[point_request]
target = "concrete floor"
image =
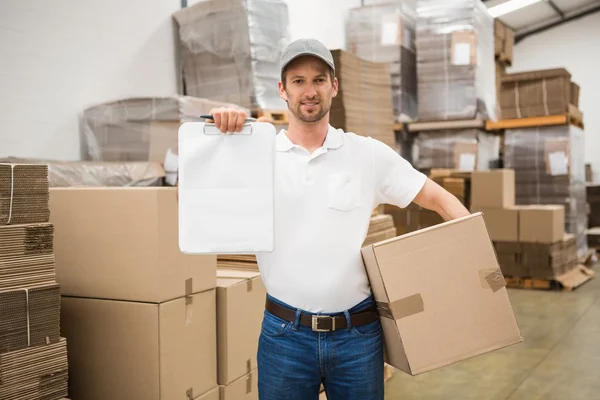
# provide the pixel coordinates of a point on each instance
(558, 360)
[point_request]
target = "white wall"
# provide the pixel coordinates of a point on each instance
(576, 47)
(58, 57)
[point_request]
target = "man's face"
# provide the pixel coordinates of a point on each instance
(308, 89)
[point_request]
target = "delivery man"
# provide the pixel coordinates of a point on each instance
(320, 323)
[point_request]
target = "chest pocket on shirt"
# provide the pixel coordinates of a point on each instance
(344, 191)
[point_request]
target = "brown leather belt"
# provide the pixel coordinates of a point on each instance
(323, 323)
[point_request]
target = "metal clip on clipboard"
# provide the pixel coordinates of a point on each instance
(210, 128)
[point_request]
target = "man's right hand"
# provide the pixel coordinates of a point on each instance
(230, 119)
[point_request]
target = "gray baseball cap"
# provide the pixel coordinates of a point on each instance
(306, 47)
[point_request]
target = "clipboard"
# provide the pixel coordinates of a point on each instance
(226, 189)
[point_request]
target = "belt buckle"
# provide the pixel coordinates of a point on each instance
(315, 323)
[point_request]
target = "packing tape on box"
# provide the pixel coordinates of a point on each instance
(248, 366)
(189, 394)
(249, 285)
(249, 383)
(492, 278)
(401, 308)
(188, 301)
(12, 192)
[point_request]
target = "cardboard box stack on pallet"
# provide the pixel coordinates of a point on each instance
(530, 240)
(364, 102)
(385, 33)
(33, 355)
(455, 60)
(549, 166)
(144, 320)
(456, 86)
(230, 50)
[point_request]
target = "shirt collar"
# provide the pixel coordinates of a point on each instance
(333, 140)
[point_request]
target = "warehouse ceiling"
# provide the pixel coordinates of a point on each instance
(543, 14)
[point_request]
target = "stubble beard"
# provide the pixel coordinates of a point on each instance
(310, 118)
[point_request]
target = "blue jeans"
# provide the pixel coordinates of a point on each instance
(293, 360)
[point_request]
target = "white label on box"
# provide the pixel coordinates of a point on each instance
(462, 54)
(558, 163)
(389, 33)
(466, 162)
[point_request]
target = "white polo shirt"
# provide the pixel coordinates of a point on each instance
(323, 206)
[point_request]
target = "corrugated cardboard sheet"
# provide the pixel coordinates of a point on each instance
(39, 372)
(30, 317)
(26, 255)
(446, 295)
(365, 90)
(23, 194)
(381, 228)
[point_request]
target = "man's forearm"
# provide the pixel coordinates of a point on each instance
(449, 207)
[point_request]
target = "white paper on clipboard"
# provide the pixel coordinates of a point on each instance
(226, 198)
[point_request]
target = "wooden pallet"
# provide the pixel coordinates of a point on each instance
(274, 116)
(573, 117)
(567, 282)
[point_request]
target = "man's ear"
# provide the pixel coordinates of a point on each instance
(335, 87)
(282, 92)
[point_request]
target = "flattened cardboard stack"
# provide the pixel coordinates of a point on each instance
(385, 33)
(230, 50)
(33, 359)
(244, 262)
(140, 316)
(23, 194)
(139, 129)
(550, 169)
(365, 90)
(457, 149)
(98, 173)
(538, 93)
(504, 43)
(455, 60)
(530, 240)
(381, 228)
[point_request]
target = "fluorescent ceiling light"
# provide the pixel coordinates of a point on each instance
(510, 6)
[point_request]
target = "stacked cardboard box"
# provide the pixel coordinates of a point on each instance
(441, 295)
(240, 309)
(593, 237)
(140, 316)
(139, 129)
(365, 89)
(459, 149)
(549, 166)
(243, 262)
(530, 239)
(593, 198)
(455, 60)
(385, 33)
(230, 50)
(538, 93)
(33, 356)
